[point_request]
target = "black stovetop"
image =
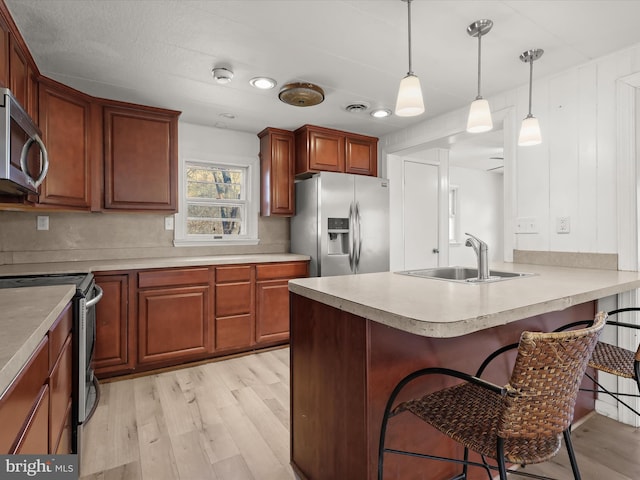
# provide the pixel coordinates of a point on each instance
(82, 281)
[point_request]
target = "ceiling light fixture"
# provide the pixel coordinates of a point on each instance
(530, 130)
(301, 94)
(381, 113)
(263, 83)
(222, 75)
(479, 119)
(409, 102)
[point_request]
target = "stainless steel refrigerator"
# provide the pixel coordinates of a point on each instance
(342, 223)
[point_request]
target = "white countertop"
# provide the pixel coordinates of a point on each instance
(438, 308)
(26, 315)
(144, 263)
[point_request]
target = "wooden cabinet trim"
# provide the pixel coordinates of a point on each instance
(58, 334)
(60, 386)
(34, 438)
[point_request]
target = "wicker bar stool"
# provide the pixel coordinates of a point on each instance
(613, 359)
(522, 422)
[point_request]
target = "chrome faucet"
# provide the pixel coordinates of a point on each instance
(481, 253)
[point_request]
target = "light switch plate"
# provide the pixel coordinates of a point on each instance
(42, 222)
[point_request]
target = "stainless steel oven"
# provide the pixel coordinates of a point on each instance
(88, 294)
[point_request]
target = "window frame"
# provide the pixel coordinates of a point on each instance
(252, 200)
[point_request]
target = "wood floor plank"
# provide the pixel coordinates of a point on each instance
(229, 420)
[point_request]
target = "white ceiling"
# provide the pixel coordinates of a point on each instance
(160, 52)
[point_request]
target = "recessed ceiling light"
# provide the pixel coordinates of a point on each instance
(230, 116)
(380, 112)
(263, 83)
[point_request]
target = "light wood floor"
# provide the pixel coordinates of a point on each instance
(229, 420)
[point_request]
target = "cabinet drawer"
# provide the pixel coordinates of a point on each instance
(233, 299)
(58, 334)
(281, 270)
(233, 332)
(21, 395)
(175, 277)
(233, 274)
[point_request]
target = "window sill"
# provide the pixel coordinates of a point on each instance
(208, 242)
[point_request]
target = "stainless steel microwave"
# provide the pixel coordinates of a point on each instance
(21, 149)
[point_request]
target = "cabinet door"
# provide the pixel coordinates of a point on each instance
(272, 311)
(112, 326)
(361, 155)
(4, 55)
(140, 159)
(319, 149)
(277, 172)
(60, 384)
(19, 73)
(65, 117)
(173, 323)
(18, 400)
(35, 437)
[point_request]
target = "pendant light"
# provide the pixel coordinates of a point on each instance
(479, 119)
(530, 130)
(409, 101)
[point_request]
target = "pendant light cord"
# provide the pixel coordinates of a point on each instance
(479, 97)
(409, 30)
(530, 85)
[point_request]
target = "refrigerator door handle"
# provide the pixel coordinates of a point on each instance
(358, 246)
(352, 260)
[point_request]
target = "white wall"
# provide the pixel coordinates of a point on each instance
(573, 172)
(480, 212)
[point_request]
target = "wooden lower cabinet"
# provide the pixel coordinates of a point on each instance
(157, 318)
(234, 307)
(272, 299)
(115, 334)
(35, 410)
(173, 324)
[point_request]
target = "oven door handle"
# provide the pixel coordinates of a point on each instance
(95, 299)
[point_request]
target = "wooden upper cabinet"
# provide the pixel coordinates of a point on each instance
(320, 149)
(19, 74)
(4, 55)
(140, 158)
(277, 172)
(66, 124)
(361, 155)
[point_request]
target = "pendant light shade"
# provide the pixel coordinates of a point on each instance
(530, 130)
(409, 102)
(479, 119)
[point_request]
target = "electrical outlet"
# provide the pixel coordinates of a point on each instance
(42, 222)
(563, 224)
(168, 222)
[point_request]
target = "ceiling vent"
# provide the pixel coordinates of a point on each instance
(301, 94)
(357, 107)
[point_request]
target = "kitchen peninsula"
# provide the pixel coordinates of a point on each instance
(354, 337)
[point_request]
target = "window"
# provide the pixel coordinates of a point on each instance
(217, 203)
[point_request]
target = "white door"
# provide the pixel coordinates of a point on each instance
(420, 209)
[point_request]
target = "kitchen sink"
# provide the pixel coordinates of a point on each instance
(463, 274)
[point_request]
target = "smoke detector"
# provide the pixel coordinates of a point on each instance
(301, 94)
(357, 107)
(222, 75)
